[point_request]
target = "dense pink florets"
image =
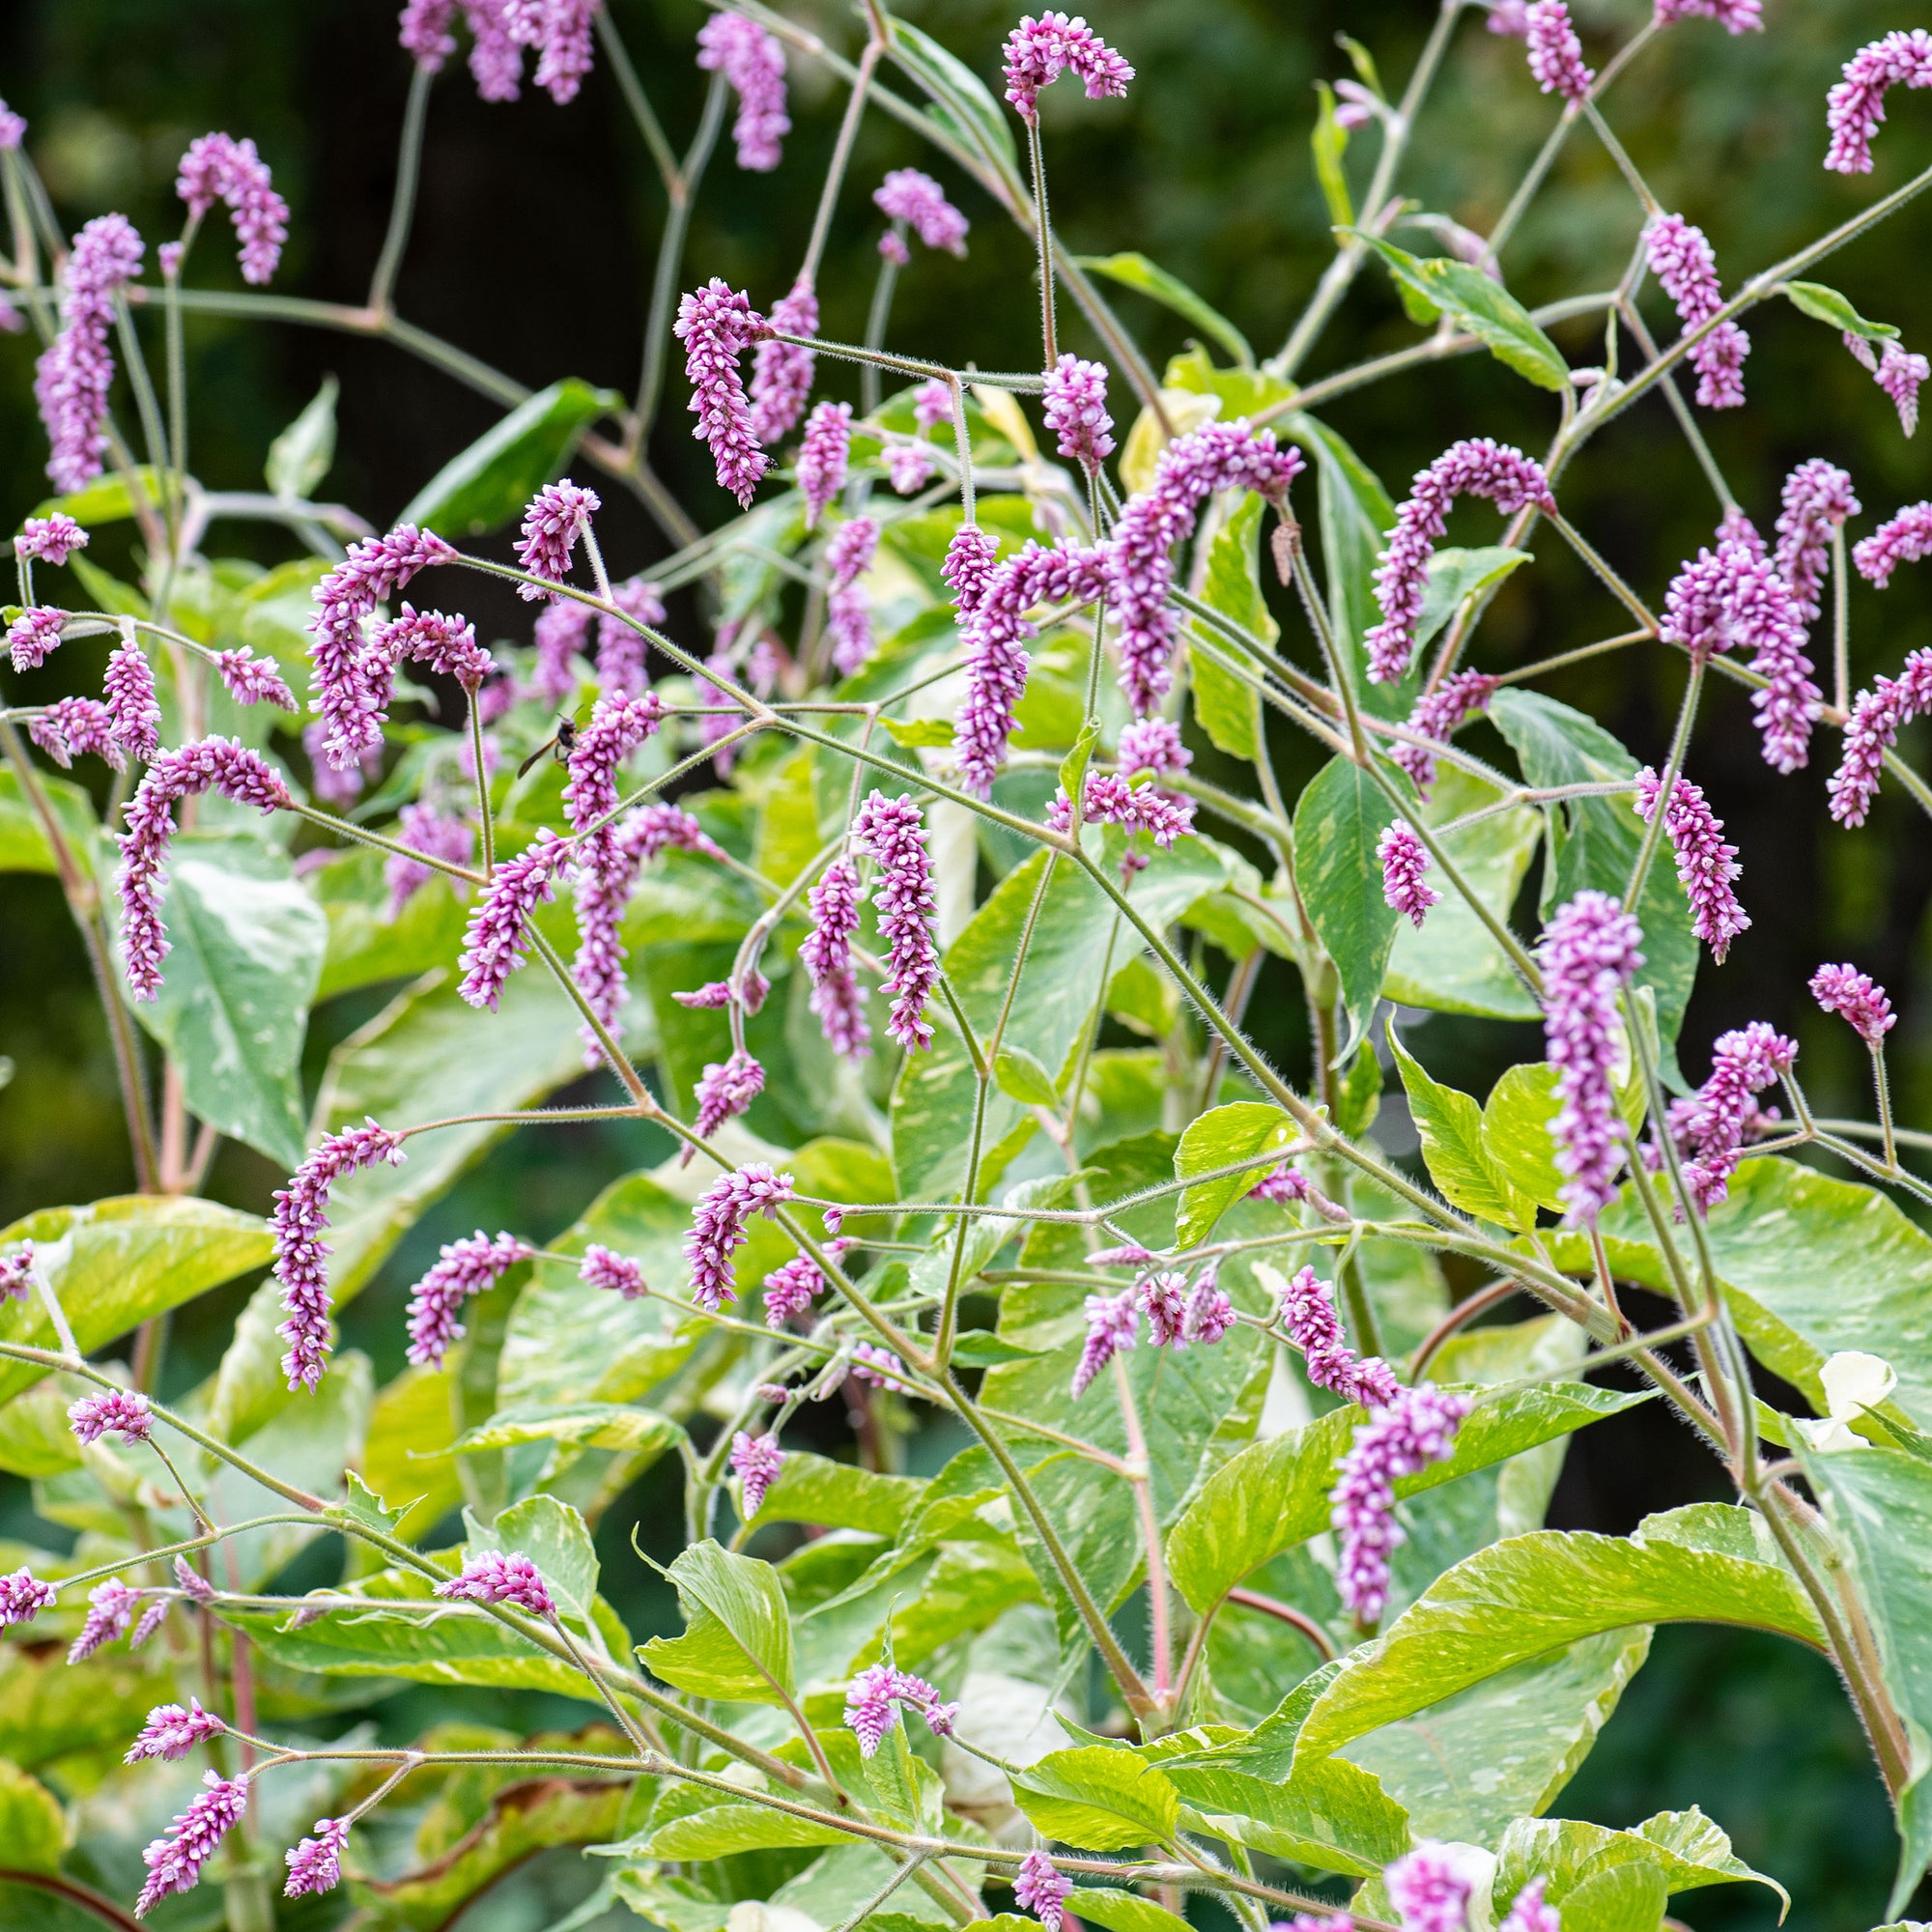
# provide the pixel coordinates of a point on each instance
(718, 1227)
(1309, 1319)
(753, 62)
(1706, 863)
(464, 1268)
(716, 326)
(498, 931)
(1681, 259)
(1076, 408)
(76, 369)
(891, 831)
(558, 515)
(826, 954)
(1555, 53)
(498, 1577)
(1038, 52)
(216, 168)
(1871, 731)
(1414, 1430)
(907, 195)
(1436, 714)
(1857, 998)
(1405, 860)
(174, 1863)
(1855, 107)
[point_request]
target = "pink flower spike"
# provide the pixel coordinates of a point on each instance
(617, 728)
(968, 569)
(1855, 107)
(1430, 1887)
(1405, 859)
(1153, 744)
(465, 1268)
(1211, 1310)
(498, 931)
(1163, 1300)
(76, 371)
(869, 1707)
(1438, 715)
(617, 1274)
(1555, 53)
(1899, 374)
(253, 680)
(23, 1597)
(1284, 1185)
(316, 1863)
(1416, 1428)
(919, 202)
(716, 326)
(718, 1227)
(133, 711)
(1712, 1126)
(1113, 1326)
(49, 539)
(1735, 17)
(125, 1412)
(781, 372)
(1681, 259)
(1042, 1890)
(172, 1730)
(174, 1863)
(558, 514)
(823, 456)
(75, 724)
(1038, 52)
(1705, 864)
(560, 32)
(620, 649)
(1130, 1255)
(1876, 715)
(1076, 408)
(193, 1586)
(725, 1089)
(1817, 499)
(1905, 539)
(826, 954)
(1477, 468)
(754, 64)
(892, 833)
(1529, 1913)
(756, 1461)
(498, 1578)
(1857, 998)
(33, 635)
(433, 834)
(111, 1610)
(216, 168)
(791, 1288)
(1308, 1318)
(848, 604)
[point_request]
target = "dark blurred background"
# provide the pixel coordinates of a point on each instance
(533, 249)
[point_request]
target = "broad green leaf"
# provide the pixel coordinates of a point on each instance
(1625, 1899)
(1529, 1595)
(1504, 1747)
(787, 835)
(1450, 1126)
(1218, 1138)
(33, 1829)
(300, 458)
(1103, 1800)
(725, 1829)
(107, 499)
(24, 840)
(233, 1003)
(1024, 1079)
(1275, 1493)
(962, 105)
(1594, 841)
(1516, 1131)
(1338, 819)
(737, 1640)
(1827, 305)
(1341, 1821)
(118, 1261)
(1329, 141)
(587, 1425)
(1684, 1848)
(51, 1709)
(365, 946)
(481, 488)
(35, 1437)
(1230, 711)
(838, 1495)
(1133, 271)
(917, 734)
(1479, 307)
(407, 1451)
(1457, 574)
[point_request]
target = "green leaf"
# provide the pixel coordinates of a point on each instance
(1338, 819)
(24, 840)
(481, 488)
(1529, 1595)
(838, 1495)
(1133, 271)
(33, 1828)
(1219, 1138)
(365, 946)
(1625, 1899)
(586, 1425)
(50, 1709)
(298, 459)
(1827, 305)
(407, 1450)
(1228, 709)
(1450, 1126)
(935, 733)
(1338, 1819)
(250, 1388)
(1457, 574)
(737, 1639)
(1359, 1096)
(1073, 767)
(1479, 307)
(962, 105)
(232, 1007)
(1684, 1849)
(724, 1829)
(1594, 841)
(1329, 141)
(107, 499)
(1504, 1747)
(119, 1261)
(1103, 1800)
(1275, 1493)
(1021, 1077)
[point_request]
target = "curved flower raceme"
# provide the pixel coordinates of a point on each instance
(1712, 1126)
(1038, 52)
(1706, 863)
(1216, 457)
(791, 1288)
(1475, 468)
(49, 539)
(1309, 1319)
(754, 64)
(76, 369)
(1405, 860)
(716, 326)
(1858, 998)
(172, 1731)
(1555, 53)
(174, 1863)
(1415, 1428)
(301, 1213)
(23, 1597)
(614, 1273)
(558, 515)
(916, 200)
(559, 31)
(1588, 954)
(501, 1576)
(77, 724)
(1108, 799)
(1817, 499)
(216, 168)
(718, 1227)
(823, 455)
(211, 765)
(1898, 372)
(826, 954)
(124, 1412)
(1076, 408)
(498, 931)
(1113, 1327)
(1681, 259)
(617, 728)
(996, 629)
(495, 60)
(1905, 538)
(1438, 715)
(464, 1268)
(1042, 1890)
(620, 649)
(726, 1088)
(871, 1700)
(967, 568)
(781, 372)
(253, 680)
(315, 1864)
(133, 710)
(1871, 731)
(756, 1461)
(891, 831)
(848, 604)
(110, 1609)
(33, 635)
(1855, 107)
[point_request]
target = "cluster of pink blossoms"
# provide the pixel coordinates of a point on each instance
(1405, 859)
(464, 1268)
(122, 1413)
(1681, 259)
(1555, 53)
(216, 168)
(756, 1461)
(909, 199)
(1711, 1128)
(1858, 998)
(753, 65)
(872, 1701)
(49, 539)
(1871, 731)
(1038, 52)
(1898, 372)
(501, 1576)
(1176, 1314)
(1309, 1319)
(1416, 1427)
(1076, 408)
(1855, 108)
(173, 1862)
(716, 326)
(891, 831)
(718, 1227)
(76, 369)
(1438, 715)
(848, 604)
(1705, 862)
(826, 954)
(496, 58)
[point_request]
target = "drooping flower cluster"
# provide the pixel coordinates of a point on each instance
(1216, 457)
(1038, 52)
(826, 954)
(1309, 1319)
(1415, 1428)
(1897, 370)
(1858, 998)
(23, 1597)
(870, 1705)
(1474, 468)
(1871, 731)
(908, 197)
(1438, 715)
(33, 635)
(614, 1273)
(1108, 799)
(495, 60)
(560, 33)
(464, 1268)
(498, 931)
(1905, 538)
(49, 539)
(756, 1461)
(1042, 1890)
(315, 1864)
(823, 455)
(558, 514)
(716, 326)
(111, 1610)
(1405, 860)
(848, 604)
(996, 630)
(1682, 260)
(253, 680)
(791, 1288)
(76, 369)
(754, 64)
(125, 1412)
(1151, 744)
(620, 649)
(1712, 1126)
(1076, 409)
(174, 1863)
(1588, 952)
(1113, 1327)
(499, 1576)
(781, 372)
(891, 831)
(1430, 1886)
(133, 710)
(718, 1227)
(1555, 53)
(1706, 863)
(70, 726)
(726, 1089)
(216, 168)
(967, 570)
(172, 1730)
(211, 765)
(1855, 107)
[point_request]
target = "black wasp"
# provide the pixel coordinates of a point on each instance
(563, 738)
